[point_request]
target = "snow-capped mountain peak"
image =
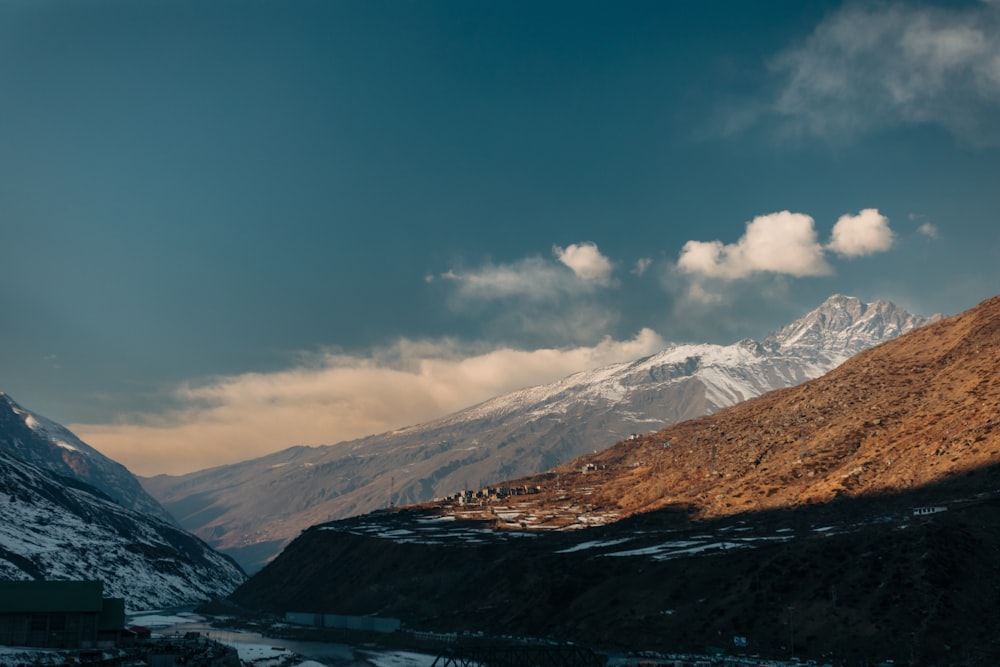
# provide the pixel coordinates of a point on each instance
(842, 326)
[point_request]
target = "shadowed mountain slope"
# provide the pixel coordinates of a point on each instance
(69, 513)
(851, 518)
(59, 528)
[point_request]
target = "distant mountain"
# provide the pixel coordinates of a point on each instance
(252, 509)
(852, 519)
(51, 446)
(59, 528)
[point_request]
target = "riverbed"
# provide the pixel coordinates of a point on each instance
(260, 650)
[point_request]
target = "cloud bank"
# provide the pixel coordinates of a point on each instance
(335, 398)
(874, 65)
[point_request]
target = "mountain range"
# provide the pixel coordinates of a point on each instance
(252, 509)
(69, 513)
(851, 519)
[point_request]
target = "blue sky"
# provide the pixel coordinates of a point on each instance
(227, 228)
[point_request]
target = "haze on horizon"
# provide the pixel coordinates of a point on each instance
(230, 228)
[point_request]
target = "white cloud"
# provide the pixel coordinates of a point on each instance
(641, 265)
(699, 293)
(866, 233)
(535, 278)
(928, 229)
(561, 300)
(874, 65)
(586, 261)
(781, 243)
(532, 278)
(337, 398)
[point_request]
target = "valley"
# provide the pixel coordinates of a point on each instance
(859, 509)
(849, 518)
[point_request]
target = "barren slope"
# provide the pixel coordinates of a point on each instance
(909, 412)
(788, 519)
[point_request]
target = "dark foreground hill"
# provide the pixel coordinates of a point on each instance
(855, 517)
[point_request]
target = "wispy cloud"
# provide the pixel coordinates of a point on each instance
(563, 299)
(874, 65)
(532, 278)
(928, 229)
(642, 265)
(335, 398)
(536, 278)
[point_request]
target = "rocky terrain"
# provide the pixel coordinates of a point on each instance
(71, 513)
(57, 528)
(51, 446)
(853, 518)
(252, 509)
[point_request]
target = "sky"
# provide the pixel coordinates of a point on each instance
(232, 227)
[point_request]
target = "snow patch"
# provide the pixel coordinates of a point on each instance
(401, 659)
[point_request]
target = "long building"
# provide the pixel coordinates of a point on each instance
(59, 614)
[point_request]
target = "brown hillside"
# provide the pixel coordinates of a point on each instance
(786, 519)
(913, 411)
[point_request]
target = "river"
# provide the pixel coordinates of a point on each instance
(263, 651)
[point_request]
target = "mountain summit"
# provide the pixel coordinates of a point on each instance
(252, 509)
(843, 326)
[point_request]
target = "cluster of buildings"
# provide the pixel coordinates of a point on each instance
(490, 494)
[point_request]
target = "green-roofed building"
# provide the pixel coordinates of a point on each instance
(58, 614)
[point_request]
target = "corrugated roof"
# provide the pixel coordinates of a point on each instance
(33, 597)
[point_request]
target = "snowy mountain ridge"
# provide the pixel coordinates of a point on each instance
(58, 528)
(805, 349)
(42, 442)
(843, 326)
(235, 509)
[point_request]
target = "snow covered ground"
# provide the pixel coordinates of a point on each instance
(18, 655)
(261, 651)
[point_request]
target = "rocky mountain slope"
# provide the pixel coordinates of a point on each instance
(51, 446)
(60, 528)
(850, 519)
(252, 509)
